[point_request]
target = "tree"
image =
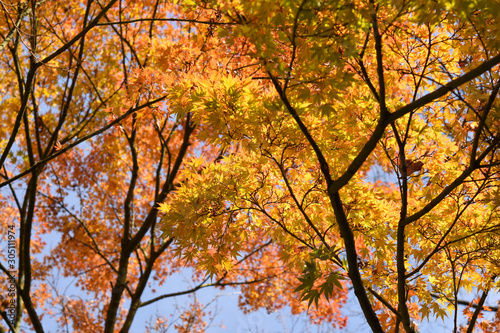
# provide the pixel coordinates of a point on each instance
(315, 98)
(90, 146)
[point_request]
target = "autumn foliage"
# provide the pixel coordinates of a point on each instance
(240, 140)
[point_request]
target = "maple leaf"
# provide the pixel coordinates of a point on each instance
(413, 166)
(58, 146)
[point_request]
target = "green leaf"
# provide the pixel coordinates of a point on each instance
(326, 109)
